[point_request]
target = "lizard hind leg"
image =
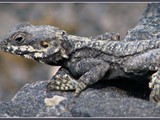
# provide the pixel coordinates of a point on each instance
(62, 82)
(154, 84)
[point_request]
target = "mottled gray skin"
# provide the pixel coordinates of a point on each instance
(148, 26)
(85, 61)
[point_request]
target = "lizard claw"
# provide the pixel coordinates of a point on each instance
(79, 88)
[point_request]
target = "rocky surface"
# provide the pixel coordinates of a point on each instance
(115, 98)
(149, 25)
(101, 100)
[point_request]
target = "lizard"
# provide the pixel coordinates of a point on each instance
(85, 61)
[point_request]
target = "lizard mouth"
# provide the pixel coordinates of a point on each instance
(24, 51)
(18, 52)
(14, 50)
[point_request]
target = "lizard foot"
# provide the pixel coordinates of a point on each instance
(62, 82)
(154, 84)
(65, 82)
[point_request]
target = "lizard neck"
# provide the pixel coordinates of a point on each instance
(78, 43)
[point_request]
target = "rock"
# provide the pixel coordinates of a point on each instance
(148, 26)
(100, 100)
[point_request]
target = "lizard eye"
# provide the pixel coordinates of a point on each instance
(19, 38)
(44, 44)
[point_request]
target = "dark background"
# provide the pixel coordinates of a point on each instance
(83, 19)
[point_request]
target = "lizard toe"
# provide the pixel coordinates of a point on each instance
(79, 88)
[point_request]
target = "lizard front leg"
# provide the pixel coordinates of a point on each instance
(154, 84)
(91, 76)
(90, 71)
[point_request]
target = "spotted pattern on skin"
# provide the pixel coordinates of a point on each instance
(27, 56)
(36, 55)
(85, 58)
(26, 48)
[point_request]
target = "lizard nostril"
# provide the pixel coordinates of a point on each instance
(4, 42)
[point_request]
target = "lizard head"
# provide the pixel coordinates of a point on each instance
(34, 42)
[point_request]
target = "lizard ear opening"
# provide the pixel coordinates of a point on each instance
(44, 44)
